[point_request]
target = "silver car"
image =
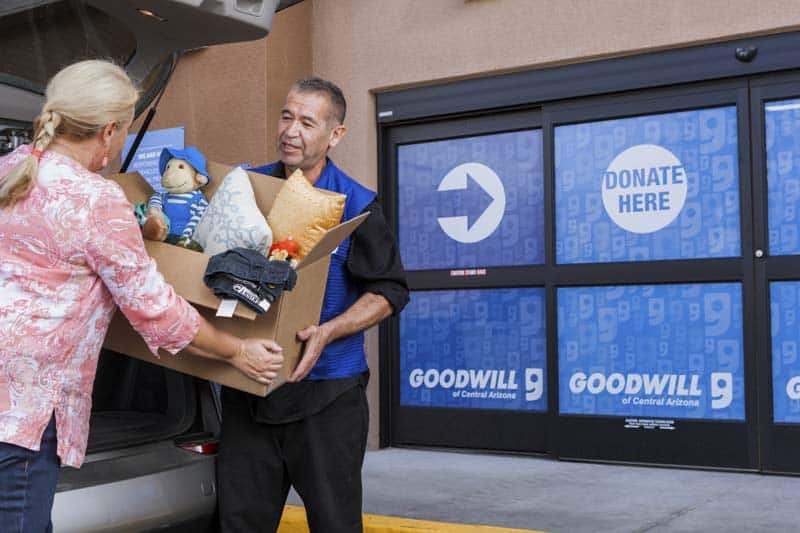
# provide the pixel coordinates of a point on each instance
(152, 442)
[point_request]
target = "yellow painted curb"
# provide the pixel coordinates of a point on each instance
(294, 521)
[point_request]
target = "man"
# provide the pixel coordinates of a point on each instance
(311, 433)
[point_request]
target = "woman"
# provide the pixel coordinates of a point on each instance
(70, 253)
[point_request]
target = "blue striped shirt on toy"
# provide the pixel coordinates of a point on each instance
(183, 210)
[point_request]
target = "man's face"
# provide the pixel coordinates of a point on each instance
(306, 129)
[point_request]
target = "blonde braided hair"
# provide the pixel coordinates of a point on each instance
(80, 100)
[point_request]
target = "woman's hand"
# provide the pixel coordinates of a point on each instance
(259, 359)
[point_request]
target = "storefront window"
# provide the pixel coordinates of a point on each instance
(481, 349)
(648, 188)
(782, 119)
(670, 351)
(784, 303)
(471, 202)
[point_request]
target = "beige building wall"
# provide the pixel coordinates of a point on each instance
(229, 96)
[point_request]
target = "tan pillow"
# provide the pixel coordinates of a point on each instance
(303, 212)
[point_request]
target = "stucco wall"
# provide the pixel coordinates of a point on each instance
(367, 46)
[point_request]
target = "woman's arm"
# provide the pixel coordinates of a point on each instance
(259, 359)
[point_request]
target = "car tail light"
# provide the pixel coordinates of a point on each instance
(208, 447)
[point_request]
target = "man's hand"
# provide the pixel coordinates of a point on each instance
(316, 338)
(367, 311)
(259, 359)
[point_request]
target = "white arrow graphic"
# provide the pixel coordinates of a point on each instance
(458, 227)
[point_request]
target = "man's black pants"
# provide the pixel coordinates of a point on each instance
(320, 455)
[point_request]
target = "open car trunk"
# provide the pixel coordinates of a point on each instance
(135, 402)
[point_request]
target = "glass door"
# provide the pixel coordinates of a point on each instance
(653, 277)
(775, 108)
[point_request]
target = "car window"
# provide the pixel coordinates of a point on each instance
(13, 134)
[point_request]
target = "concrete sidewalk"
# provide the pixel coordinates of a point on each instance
(544, 494)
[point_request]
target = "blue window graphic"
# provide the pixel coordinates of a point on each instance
(480, 349)
(145, 162)
(648, 188)
(471, 202)
(784, 303)
(782, 120)
(671, 351)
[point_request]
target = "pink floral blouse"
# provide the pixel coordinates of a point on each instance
(69, 254)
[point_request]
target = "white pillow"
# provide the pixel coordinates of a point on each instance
(233, 219)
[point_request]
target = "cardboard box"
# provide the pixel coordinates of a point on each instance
(184, 269)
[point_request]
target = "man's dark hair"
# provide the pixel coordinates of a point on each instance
(328, 88)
